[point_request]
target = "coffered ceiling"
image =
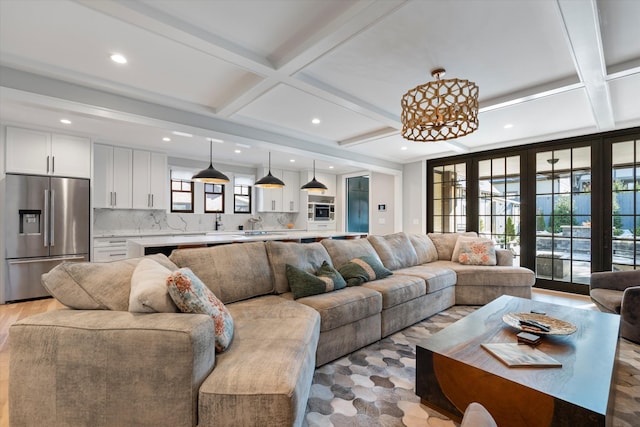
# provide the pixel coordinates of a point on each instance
(254, 73)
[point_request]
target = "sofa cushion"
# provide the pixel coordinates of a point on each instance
(398, 289)
(436, 277)
(305, 256)
(488, 275)
(424, 247)
(193, 296)
(342, 251)
(305, 284)
(233, 272)
(363, 269)
(395, 250)
(446, 242)
(343, 307)
(265, 376)
(472, 251)
(149, 289)
(96, 285)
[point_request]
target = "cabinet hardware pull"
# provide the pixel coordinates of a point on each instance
(47, 164)
(53, 164)
(152, 201)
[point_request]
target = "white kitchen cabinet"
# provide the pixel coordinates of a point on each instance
(43, 153)
(149, 180)
(291, 191)
(286, 199)
(269, 199)
(109, 249)
(112, 177)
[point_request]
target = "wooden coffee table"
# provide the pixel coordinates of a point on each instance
(453, 370)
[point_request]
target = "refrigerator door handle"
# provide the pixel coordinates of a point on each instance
(35, 260)
(45, 231)
(52, 218)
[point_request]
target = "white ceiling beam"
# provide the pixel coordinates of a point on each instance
(582, 26)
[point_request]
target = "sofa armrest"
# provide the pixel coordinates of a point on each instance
(504, 257)
(616, 280)
(105, 368)
(630, 314)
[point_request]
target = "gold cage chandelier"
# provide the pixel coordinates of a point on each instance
(440, 110)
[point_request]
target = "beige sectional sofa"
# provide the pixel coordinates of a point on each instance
(98, 364)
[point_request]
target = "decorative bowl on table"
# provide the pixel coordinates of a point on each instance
(555, 326)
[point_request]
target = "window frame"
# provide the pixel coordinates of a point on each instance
(206, 193)
(236, 194)
(191, 191)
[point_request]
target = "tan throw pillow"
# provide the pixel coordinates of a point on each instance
(477, 252)
(149, 289)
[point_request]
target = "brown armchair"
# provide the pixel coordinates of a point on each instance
(619, 292)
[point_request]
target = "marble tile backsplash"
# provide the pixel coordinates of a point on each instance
(132, 221)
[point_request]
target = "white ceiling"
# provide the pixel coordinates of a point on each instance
(255, 72)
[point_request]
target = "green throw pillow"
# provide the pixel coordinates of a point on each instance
(305, 284)
(363, 269)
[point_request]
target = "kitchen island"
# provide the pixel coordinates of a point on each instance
(165, 244)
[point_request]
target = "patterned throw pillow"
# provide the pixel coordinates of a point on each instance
(477, 252)
(304, 284)
(363, 269)
(193, 296)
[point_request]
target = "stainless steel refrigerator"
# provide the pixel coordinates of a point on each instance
(46, 223)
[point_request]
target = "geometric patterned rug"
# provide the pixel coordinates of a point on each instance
(374, 386)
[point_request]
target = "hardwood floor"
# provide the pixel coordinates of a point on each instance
(11, 313)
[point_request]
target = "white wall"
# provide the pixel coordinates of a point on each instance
(414, 197)
(382, 191)
(2, 238)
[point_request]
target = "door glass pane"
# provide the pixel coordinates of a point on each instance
(563, 215)
(625, 205)
(499, 202)
(449, 198)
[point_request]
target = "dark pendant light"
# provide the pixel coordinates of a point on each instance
(314, 185)
(269, 181)
(210, 175)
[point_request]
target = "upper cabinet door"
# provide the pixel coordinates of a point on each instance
(159, 184)
(70, 156)
(41, 153)
(28, 151)
(111, 177)
(291, 191)
(149, 180)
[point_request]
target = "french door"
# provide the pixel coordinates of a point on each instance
(564, 209)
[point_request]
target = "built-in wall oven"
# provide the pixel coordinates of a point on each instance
(321, 212)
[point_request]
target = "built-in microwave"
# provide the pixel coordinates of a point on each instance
(321, 212)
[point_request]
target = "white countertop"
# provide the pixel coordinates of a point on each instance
(136, 246)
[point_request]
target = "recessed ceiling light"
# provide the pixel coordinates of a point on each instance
(118, 58)
(242, 145)
(315, 121)
(508, 126)
(237, 151)
(188, 135)
(330, 167)
(65, 121)
(292, 160)
(403, 148)
(166, 139)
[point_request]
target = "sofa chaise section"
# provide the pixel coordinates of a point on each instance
(264, 378)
